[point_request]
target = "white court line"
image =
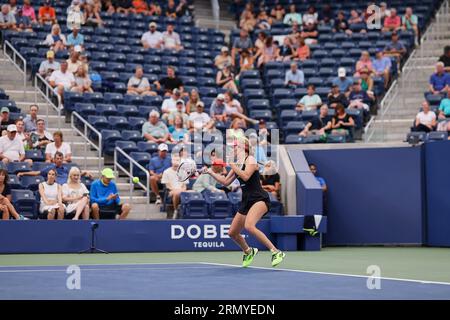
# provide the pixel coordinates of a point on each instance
(331, 274)
(94, 264)
(98, 269)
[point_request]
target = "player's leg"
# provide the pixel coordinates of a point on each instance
(234, 232)
(255, 214)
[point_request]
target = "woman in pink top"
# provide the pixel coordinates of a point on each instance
(27, 15)
(303, 52)
(364, 63)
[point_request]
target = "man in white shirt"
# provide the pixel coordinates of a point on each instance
(152, 38)
(62, 80)
(294, 77)
(170, 105)
(171, 39)
(200, 120)
(11, 147)
(58, 145)
(175, 187)
(425, 119)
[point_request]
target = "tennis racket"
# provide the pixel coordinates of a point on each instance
(187, 169)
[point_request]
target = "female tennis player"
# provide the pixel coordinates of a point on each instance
(255, 201)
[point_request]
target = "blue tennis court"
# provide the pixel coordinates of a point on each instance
(203, 281)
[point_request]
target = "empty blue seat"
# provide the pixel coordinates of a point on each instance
(118, 123)
(134, 100)
(288, 115)
(25, 202)
(16, 167)
(113, 98)
(143, 158)
(106, 109)
(437, 136)
(132, 135)
(219, 206)
(85, 109)
(294, 127)
(258, 104)
(261, 114)
(149, 147)
(235, 199)
(286, 104)
(193, 205)
(31, 182)
(276, 207)
(127, 111)
(136, 123)
(35, 155)
(14, 182)
(294, 139)
(109, 138)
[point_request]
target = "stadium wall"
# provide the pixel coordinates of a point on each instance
(375, 194)
(437, 169)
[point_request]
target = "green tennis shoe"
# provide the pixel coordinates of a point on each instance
(277, 257)
(248, 257)
(312, 232)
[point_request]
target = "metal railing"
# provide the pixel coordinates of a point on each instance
(133, 164)
(87, 126)
(47, 95)
(216, 12)
(16, 56)
(420, 61)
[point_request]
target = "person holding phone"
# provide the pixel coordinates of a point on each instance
(75, 195)
(105, 198)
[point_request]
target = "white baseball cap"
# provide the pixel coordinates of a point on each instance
(163, 147)
(341, 72)
(11, 128)
(221, 96)
(77, 48)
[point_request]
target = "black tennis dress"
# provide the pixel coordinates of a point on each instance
(252, 192)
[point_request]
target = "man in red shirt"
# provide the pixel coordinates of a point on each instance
(393, 22)
(47, 14)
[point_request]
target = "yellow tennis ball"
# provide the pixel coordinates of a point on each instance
(135, 179)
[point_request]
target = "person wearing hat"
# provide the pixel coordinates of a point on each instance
(217, 109)
(138, 84)
(224, 58)
(11, 147)
(178, 112)
(170, 105)
(225, 79)
(200, 120)
(47, 14)
(48, 66)
(382, 66)
(157, 165)
(152, 38)
(170, 82)
(171, 39)
(342, 81)
(5, 119)
(105, 200)
(75, 38)
(155, 130)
